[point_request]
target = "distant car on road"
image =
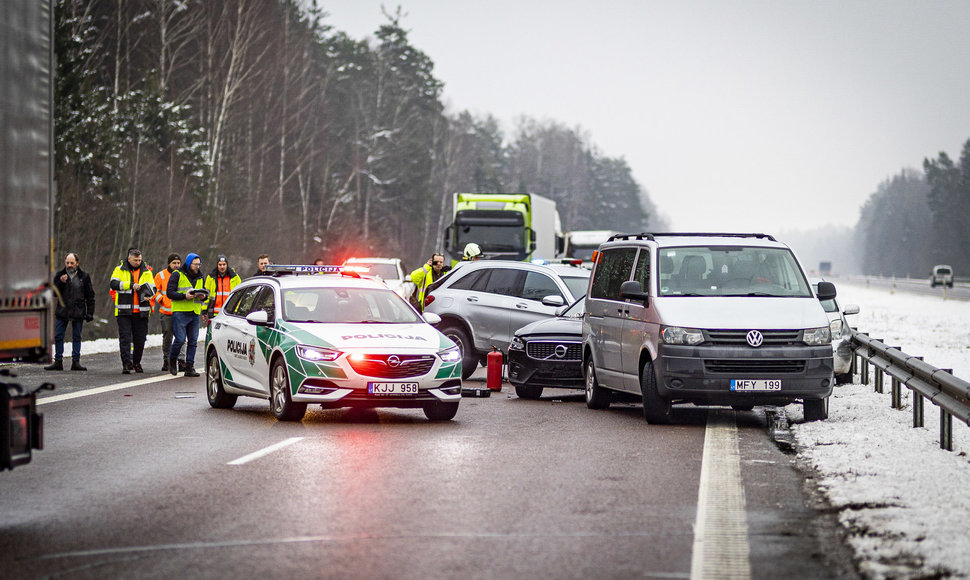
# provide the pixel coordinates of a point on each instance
(482, 303)
(841, 335)
(942, 276)
(388, 270)
(548, 353)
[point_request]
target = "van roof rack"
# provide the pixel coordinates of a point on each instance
(651, 236)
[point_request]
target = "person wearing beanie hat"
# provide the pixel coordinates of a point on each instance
(220, 282)
(164, 305)
(188, 296)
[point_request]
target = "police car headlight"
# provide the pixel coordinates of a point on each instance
(450, 355)
(817, 336)
(835, 327)
(678, 335)
(517, 344)
(316, 354)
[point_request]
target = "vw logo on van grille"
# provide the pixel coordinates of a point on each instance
(755, 338)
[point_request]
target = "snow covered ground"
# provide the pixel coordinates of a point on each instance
(904, 501)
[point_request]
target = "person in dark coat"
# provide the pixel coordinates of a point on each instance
(75, 306)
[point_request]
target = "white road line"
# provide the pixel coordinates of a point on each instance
(265, 451)
(106, 389)
(721, 530)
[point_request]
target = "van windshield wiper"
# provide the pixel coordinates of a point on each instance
(768, 294)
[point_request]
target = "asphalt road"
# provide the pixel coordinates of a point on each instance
(147, 481)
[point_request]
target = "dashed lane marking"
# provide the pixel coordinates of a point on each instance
(265, 451)
(105, 389)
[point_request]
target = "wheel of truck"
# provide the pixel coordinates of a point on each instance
(596, 396)
(469, 358)
(218, 398)
(284, 408)
(656, 409)
(815, 409)
(528, 392)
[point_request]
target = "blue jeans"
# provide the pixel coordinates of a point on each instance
(185, 327)
(60, 328)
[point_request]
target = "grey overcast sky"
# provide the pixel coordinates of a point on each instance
(741, 115)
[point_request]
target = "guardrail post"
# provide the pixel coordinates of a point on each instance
(879, 380)
(865, 370)
(946, 430)
(896, 395)
(917, 409)
(852, 365)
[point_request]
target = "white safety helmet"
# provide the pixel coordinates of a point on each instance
(472, 251)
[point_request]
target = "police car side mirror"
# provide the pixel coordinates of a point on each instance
(631, 290)
(258, 318)
(431, 318)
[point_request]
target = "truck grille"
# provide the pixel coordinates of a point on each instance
(393, 366)
(771, 337)
(547, 350)
(754, 366)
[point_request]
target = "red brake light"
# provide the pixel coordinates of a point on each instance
(428, 300)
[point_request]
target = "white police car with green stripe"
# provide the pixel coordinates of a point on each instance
(300, 338)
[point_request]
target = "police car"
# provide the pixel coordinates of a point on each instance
(321, 335)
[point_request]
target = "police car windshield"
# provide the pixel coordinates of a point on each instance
(346, 305)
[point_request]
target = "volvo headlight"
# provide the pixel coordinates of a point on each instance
(678, 335)
(316, 353)
(516, 344)
(817, 336)
(836, 328)
(450, 355)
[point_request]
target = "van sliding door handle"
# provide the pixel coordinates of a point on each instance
(471, 299)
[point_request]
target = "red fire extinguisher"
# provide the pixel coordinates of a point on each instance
(494, 370)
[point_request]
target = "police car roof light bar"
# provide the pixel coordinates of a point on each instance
(286, 269)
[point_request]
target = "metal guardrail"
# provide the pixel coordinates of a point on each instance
(949, 393)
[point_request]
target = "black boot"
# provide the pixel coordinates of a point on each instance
(57, 365)
(138, 369)
(165, 366)
(173, 366)
(190, 370)
(76, 366)
(126, 368)
(181, 365)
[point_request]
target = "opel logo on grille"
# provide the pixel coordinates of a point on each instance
(393, 361)
(560, 350)
(755, 338)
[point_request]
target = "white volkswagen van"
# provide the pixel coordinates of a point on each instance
(721, 319)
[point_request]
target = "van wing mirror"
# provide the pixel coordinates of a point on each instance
(632, 290)
(826, 291)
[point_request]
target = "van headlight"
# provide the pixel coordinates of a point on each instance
(450, 355)
(316, 353)
(678, 335)
(517, 343)
(836, 328)
(817, 336)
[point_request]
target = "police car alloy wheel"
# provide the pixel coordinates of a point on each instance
(218, 398)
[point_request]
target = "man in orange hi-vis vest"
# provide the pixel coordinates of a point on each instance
(164, 305)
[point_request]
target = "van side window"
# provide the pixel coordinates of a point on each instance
(642, 272)
(613, 269)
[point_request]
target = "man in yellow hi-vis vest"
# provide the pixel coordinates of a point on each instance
(133, 286)
(188, 298)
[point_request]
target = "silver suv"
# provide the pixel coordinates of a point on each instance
(483, 303)
(723, 319)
